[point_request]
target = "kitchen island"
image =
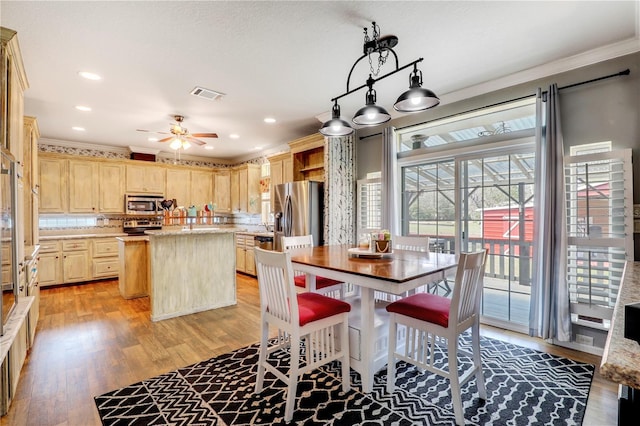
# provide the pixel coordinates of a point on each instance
(191, 270)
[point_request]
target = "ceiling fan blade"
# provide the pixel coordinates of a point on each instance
(194, 140)
(204, 135)
(152, 131)
(166, 139)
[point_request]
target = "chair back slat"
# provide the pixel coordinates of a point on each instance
(411, 243)
(275, 282)
(299, 241)
(465, 301)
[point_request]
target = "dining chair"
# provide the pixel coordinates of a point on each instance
(319, 322)
(323, 285)
(430, 320)
(415, 243)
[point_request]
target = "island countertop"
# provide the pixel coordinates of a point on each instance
(187, 231)
(621, 355)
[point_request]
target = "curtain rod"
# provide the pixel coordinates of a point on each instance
(625, 72)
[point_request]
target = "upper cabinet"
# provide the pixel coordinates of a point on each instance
(53, 185)
(245, 189)
(83, 190)
(14, 83)
(281, 171)
(308, 158)
(201, 188)
(145, 179)
(31, 181)
(222, 191)
(111, 181)
(178, 186)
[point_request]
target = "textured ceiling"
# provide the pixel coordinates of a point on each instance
(279, 59)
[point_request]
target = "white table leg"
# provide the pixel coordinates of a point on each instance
(366, 345)
(310, 283)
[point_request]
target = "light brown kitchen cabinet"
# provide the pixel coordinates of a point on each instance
(111, 181)
(222, 191)
(75, 261)
(104, 258)
(53, 185)
(281, 171)
(178, 186)
(234, 186)
(145, 179)
(14, 83)
(245, 189)
(245, 256)
(201, 188)
(308, 158)
(31, 181)
(50, 263)
(133, 279)
(83, 191)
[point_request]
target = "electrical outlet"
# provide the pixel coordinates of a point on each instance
(105, 221)
(584, 340)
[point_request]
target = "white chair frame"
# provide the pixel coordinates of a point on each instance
(325, 340)
(300, 241)
(421, 337)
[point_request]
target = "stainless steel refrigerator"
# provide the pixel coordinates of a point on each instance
(298, 210)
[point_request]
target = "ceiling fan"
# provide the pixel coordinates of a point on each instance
(180, 136)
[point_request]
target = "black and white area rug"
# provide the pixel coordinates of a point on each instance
(524, 387)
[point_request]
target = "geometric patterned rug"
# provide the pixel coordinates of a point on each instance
(524, 387)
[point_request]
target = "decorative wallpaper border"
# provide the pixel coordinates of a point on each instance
(98, 153)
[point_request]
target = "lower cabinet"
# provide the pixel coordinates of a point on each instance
(245, 260)
(77, 260)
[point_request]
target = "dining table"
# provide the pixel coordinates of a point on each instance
(396, 273)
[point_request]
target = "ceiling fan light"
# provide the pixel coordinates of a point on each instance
(336, 126)
(186, 144)
(175, 144)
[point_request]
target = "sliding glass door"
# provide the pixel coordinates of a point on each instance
(496, 213)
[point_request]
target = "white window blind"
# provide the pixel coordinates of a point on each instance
(369, 205)
(599, 209)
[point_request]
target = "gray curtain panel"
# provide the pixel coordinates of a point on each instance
(550, 316)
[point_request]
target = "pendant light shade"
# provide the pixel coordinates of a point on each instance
(371, 114)
(336, 126)
(416, 98)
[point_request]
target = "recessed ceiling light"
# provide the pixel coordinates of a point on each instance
(269, 120)
(83, 108)
(257, 148)
(209, 147)
(153, 139)
(89, 75)
(78, 129)
(234, 136)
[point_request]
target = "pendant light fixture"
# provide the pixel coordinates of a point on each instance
(415, 99)
(371, 114)
(336, 126)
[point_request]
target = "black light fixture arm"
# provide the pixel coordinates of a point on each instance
(374, 80)
(366, 55)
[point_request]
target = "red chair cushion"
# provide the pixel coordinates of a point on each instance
(425, 307)
(314, 307)
(321, 282)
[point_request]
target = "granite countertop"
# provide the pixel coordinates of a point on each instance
(621, 355)
(80, 236)
(133, 238)
(187, 231)
(257, 233)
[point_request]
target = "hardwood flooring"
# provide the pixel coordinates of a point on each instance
(90, 341)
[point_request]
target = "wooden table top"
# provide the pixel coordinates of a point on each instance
(399, 266)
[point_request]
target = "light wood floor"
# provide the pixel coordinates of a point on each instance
(91, 341)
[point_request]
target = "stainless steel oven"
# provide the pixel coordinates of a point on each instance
(142, 204)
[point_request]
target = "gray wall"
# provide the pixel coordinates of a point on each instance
(600, 111)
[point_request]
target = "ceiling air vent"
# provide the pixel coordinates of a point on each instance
(209, 94)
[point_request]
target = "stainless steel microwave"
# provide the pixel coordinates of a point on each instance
(142, 204)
